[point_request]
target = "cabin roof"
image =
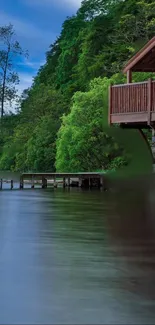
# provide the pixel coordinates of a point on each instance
(144, 60)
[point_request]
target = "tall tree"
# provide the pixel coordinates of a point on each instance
(10, 48)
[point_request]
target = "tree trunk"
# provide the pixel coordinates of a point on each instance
(4, 82)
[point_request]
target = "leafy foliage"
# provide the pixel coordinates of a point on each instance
(83, 144)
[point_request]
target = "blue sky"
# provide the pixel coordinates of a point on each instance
(37, 24)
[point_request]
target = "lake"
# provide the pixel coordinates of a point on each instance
(78, 256)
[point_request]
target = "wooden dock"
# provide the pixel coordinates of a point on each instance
(45, 180)
(87, 180)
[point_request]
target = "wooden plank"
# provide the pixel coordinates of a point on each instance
(133, 83)
(129, 117)
(61, 175)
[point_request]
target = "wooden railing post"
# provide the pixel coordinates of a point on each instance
(129, 77)
(110, 105)
(149, 102)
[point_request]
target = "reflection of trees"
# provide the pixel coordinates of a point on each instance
(131, 227)
(111, 235)
(76, 227)
(80, 215)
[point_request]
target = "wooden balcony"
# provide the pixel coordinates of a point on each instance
(132, 103)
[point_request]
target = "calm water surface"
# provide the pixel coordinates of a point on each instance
(77, 257)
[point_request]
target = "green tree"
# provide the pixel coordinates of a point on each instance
(83, 142)
(41, 147)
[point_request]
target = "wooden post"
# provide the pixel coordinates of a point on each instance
(101, 181)
(68, 181)
(153, 137)
(21, 186)
(110, 105)
(89, 182)
(80, 182)
(129, 76)
(11, 184)
(44, 182)
(149, 104)
(1, 184)
(32, 183)
(64, 182)
(55, 183)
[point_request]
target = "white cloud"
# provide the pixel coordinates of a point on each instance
(30, 36)
(26, 80)
(34, 65)
(75, 4)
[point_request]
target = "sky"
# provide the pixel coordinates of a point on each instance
(37, 24)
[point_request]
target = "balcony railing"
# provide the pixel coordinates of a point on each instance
(129, 103)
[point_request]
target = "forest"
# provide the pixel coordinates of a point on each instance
(61, 122)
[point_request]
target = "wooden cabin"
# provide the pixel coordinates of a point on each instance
(133, 104)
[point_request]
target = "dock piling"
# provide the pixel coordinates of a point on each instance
(64, 182)
(11, 184)
(32, 182)
(1, 184)
(80, 182)
(55, 183)
(21, 185)
(44, 182)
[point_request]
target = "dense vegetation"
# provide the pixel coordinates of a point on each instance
(61, 122)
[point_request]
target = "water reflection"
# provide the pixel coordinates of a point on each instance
(85, 257)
